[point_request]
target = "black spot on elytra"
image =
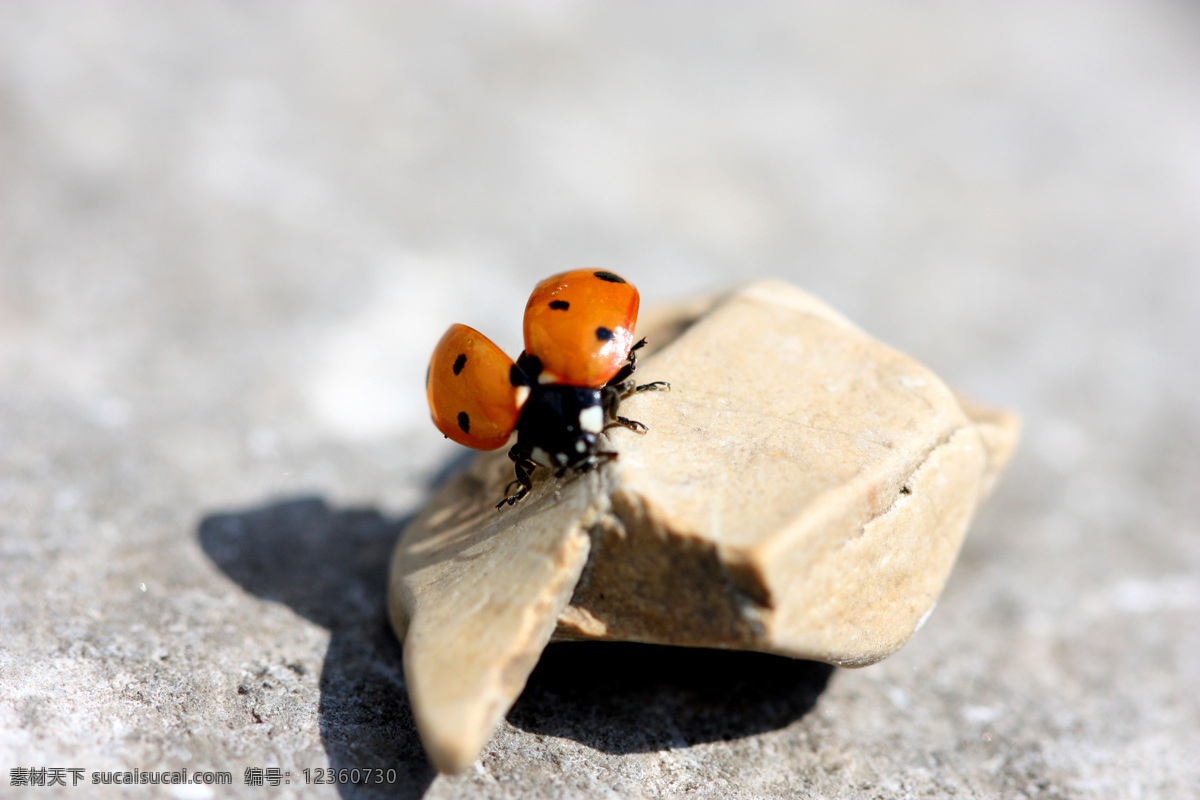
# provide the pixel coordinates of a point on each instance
(604, 275)
(559, 305)
(530, 365)
(464, 422)
(459, 363)
(604, 334)
(517, 377)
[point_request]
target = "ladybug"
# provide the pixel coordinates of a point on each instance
(563, 390)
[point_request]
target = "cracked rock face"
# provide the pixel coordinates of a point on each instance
(803, 490)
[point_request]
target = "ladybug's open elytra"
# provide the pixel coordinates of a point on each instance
(562, 391)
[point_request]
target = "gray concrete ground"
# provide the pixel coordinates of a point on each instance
(230, 235)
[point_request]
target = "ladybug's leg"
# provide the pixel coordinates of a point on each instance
(622, 386)
(588, 464)
(626, 371)
(655, 386)
(523, 466)
(625, 422)
(523, 483)
(621, 382)
(611, 397)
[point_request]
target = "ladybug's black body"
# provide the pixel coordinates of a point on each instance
(559, 425)
(563, 391)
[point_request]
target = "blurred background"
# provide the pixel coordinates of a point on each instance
(230, 235)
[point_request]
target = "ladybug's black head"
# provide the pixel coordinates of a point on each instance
(559, 424)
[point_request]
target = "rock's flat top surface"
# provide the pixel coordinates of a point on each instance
(230, 237)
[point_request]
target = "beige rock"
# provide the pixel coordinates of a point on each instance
(474, 597)
(803, 490)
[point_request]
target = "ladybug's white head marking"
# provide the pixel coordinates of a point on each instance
(591, 419)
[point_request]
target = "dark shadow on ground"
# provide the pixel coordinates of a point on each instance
(623, 698)
(330, 566)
